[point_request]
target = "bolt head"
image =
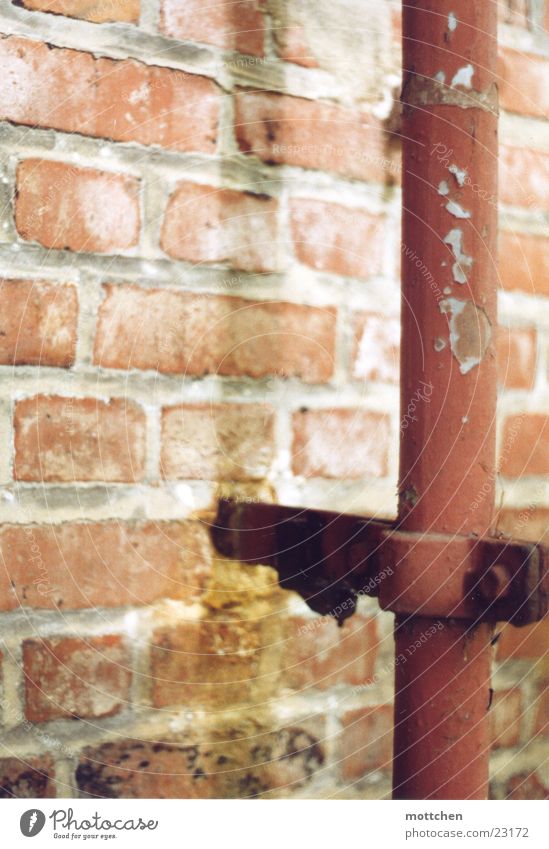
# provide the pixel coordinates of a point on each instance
(495, 584)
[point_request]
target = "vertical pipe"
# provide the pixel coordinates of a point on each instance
(447, 451)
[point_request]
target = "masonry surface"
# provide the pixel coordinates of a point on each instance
(199, 259)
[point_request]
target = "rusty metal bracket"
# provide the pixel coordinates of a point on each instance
(331, 559)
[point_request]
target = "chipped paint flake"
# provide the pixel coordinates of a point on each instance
(464, 77)
(459, 173)
(463, 262)
(439, 344)
(452, 22)
(470, 332)
(440, 77)
(456, 210)
(443, 188)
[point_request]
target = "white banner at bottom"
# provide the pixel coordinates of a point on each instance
(240, 824)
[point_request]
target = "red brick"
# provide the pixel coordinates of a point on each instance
(522, 83)
(82, 209)
(376, 354)
(37, 323)
(76, 677)
(517, 354)
(68, 439)
(530, 523)
(138, 769)
(230, 24)
(525, 446)
(524, 177)
(529, 643)
(524, 262)
(541, 726)
(208, 662)
(293, 131)
(229, 760)
(325, 443)
(22, 778)
(217, 442)
(289, 757)
(181, 332)
(330, 237)
(122, 100)
(366, 741)
(110, 564)
(505, 718)
(320, 654)
(205, 224)
(527, 786)
(96, 11)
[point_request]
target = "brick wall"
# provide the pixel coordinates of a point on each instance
(199, 248)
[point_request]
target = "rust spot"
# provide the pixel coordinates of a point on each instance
(422, 91)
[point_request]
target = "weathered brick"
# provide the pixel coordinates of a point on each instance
(181, 332)
(525, 446)
(37, 323)
(237, 759)
(73, 566)
(366, 741)
(82, 209)
(217, 442)
(231, 24)
(517, 355)
(524, 177)
(522, 83)
(205, 662)
(68, 439)
(205, 224)
(324, 443)
(376, 353)
(294, 131)
(76, 677)
(528, 786)
(122, 100)
(505, 717)
(27, 778)
(287, 758)
(96, 11)
(530, 523)
(320, 654)
(529, 643)
(331, 237)
(357, 57)
(293, 45)
(524, 262)
(138, 769)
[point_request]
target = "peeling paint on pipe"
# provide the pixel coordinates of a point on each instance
(462, 262)
(449, 138)
(470, 332)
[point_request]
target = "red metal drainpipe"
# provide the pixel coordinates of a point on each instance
(448, 380)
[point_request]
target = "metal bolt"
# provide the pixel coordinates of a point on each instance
(495, 584)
